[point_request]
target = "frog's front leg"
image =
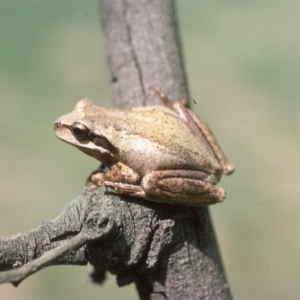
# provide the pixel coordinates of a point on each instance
(116, 173)
(183, 187)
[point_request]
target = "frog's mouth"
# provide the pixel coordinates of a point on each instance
(100, 154)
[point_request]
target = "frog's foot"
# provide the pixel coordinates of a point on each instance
(167, 101)
(125, 188)
(95, 180)
(90, 188)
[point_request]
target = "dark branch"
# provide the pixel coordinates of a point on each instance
(144, 52)
(96, 226)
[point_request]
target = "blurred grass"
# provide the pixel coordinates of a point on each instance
(242, 60)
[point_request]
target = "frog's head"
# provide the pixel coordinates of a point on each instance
(85, 129)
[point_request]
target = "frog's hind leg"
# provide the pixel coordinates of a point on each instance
(183, 187)
(199, 128)
(228, 168)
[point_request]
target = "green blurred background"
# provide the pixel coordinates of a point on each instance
(243, 65)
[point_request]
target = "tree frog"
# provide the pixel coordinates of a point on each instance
(161, 153)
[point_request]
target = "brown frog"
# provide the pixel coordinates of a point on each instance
(161, 153)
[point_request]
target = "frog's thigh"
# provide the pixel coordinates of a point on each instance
(181, 187)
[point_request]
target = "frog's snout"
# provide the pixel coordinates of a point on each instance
(57, 124)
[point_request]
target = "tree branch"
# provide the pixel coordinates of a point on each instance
(144, 51)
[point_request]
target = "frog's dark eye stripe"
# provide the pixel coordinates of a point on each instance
(80, 131)
(103, 142)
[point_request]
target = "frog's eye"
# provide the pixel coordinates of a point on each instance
(80, 131)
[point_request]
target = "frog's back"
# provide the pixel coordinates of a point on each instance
(158, 140)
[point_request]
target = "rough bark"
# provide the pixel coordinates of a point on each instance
(144, 51)
(169, 252)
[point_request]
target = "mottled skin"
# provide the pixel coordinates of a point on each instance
(159, 153)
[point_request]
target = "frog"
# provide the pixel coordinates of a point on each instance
(163, 153)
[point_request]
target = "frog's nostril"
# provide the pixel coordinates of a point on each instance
(57, 124)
